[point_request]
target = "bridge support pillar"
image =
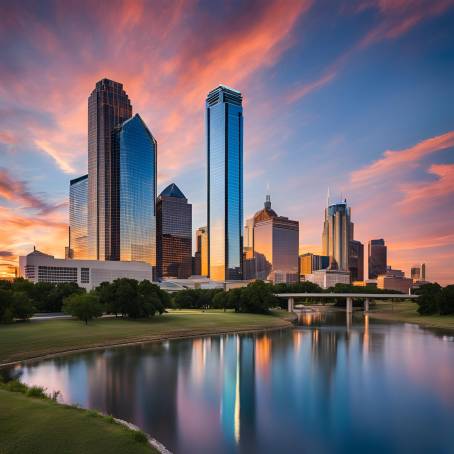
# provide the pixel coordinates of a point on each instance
(291, 304)
(349, 305)
(366, 305)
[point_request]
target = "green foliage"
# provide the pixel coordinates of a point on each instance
(131, 298)
(197, 299)
(15, 386)
(139, 436)
(14, 304)
(435, 299)
(257, 298)
(84, 306)
(37, 391)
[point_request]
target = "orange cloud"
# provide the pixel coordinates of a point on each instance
(399, 160)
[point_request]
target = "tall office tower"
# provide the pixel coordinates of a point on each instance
(201, 236)
(356, 260)
(108, 107)
(224, 125)
(377, 258)
(174, 234)
(276, 244)
(133, 193)
(337, 233)
(308, 263)
(78, 218)
(418, 272)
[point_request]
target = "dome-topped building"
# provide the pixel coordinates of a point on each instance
(266, 212)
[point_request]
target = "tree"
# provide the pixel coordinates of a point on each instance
(257, 297)
(6, 306)
(428, 301)
(22, 306)
(446, 300)
(84, 306)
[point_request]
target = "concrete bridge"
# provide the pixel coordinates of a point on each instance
(365, 296)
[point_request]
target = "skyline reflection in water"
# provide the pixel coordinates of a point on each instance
(335, 384)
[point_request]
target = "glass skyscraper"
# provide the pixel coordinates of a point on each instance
(78, 218)
(133, 193)
(356, 260)
(108, 107)
(337, 234)
(224, 126)
(174, 234)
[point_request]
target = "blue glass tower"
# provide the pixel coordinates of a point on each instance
(134, 156)
(78, 218)
(224, 123)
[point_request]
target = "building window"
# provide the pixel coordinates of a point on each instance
(30, 271)
(85, 275)
(57, 274)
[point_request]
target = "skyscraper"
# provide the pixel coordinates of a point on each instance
(308, 263)
(201, 235)
(337, 233)
(418, 272)
(377, 258)
(132, 217)
(224, 126)
(174, 234)
(276, 243)
(356, 260)
(108, 107)
(78, 218)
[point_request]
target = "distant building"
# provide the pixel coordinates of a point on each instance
(201, 254)
(78, 218)
(377, 257)
(224, 134)
(418, 272)
(173, 234)
(108, 107)
(276, 243)
(248, 238)
(308, 263)
(356, 260)
(40, 267)
(328, 278)
(394, 280)
(337, 233)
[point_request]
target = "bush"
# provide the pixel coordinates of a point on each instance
(84, 306)
(37, 391)
(428, 301)
(13, 305)
(139, 436)
(446, 300)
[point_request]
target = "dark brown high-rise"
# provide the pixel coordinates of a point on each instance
(108, 107)
(377, 258)
(173, 234)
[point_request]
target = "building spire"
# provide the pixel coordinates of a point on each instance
(268, 202)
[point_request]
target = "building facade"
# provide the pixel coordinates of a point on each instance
(377, 257)
(174, 234)
(133, 193)
(356, 260)
(108, 107)
(394, 280)
(224, 126)
(337, 234)
(308, 263)
(39, 267)
(418, 272)
(78, 218)
(329, 278)
(276, 244)
(201, 254)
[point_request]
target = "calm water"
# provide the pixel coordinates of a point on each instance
(330, 385)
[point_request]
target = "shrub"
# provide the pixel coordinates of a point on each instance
(139, 436)
(37, 391)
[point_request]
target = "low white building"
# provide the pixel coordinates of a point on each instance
(328, 278)
(40, 267)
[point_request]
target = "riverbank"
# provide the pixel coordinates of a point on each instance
(407, 312)
(37, 339)
(39, 425)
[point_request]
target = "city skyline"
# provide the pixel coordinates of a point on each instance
(292, 141)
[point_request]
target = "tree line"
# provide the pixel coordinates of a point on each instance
(435, 299)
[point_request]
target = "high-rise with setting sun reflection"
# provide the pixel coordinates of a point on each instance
(108, 107)
(224, 127)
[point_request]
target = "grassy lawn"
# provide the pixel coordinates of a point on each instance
(43, 426)
(37, 338)
(407, 312)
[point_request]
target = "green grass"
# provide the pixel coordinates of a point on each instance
(29, 425)
(407, 312)
(27, 340)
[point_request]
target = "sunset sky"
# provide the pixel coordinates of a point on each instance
(357, 96)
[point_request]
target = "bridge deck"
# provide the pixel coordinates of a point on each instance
(345, 295)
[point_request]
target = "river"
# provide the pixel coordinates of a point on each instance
(331, 385)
